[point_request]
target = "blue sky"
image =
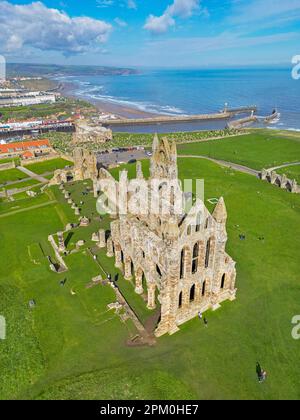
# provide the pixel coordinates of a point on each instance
(159, 33)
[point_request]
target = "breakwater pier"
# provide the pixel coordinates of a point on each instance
(161, 119)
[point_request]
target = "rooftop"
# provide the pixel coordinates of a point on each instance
(19, 146)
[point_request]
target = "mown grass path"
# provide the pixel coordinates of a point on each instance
(32, 174)
(231, 165)
(27, 209)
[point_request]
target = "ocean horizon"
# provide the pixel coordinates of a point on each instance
(194, 91)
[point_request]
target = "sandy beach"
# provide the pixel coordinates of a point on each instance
(68, 89)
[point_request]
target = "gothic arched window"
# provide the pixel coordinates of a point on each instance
(203, 288)
(192, 293)
(223, 281)
(182, 264)
(198, 222)
(180, 300)
(195, 258)
(207, 254)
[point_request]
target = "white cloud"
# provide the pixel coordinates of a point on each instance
(259, 10)
(130, 4)
(221, 42)
(179, 8)
(120, 22)
(159, 24)
(104, 3)
(183, 8)
(37, 26)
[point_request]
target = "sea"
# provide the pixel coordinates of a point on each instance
(191, 91)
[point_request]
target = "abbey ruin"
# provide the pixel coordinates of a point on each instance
(281, 181)
(85, 167)
(88, 132)
(178, 259)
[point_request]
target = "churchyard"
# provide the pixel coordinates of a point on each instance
(70, 346)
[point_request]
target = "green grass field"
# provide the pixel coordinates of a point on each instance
(11, 175)
(48, 165)
(24, 204)
(260, 149)
(70, 347)
(292, 172)
(8, 160)
(27, 183)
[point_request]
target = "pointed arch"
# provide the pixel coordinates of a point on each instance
(182, 260)
(195, 257)
(198, 222)
(207, 223)
(180, 300)
(203, 288)
(207, 253)
(223, 280)
(192, 293)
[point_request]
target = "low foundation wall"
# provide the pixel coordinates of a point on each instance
(5, 166)
(26, 162)
(281, 181)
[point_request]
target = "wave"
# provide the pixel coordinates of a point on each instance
(96, 93)
(293, 129)
(88, 90)
(284, 128)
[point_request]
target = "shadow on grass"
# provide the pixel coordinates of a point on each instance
(68, 238)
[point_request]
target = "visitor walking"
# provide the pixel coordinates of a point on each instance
(261, 373)
(258, 370)
(205, 322)
(263, 376)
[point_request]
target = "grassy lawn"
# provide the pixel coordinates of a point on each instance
(9, 160)
(48, 165)
(49, 177)
(19, 368)
(11, 175)
(73, 348)
(292, 172)
(22, 201)
(260, 149)
(27, 183)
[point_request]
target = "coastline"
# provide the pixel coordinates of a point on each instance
(68, 89)
(110, 109)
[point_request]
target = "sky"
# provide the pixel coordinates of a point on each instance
(154, 33)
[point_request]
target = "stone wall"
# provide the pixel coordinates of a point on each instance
(5, 166)
(88, 132)
(85, 167)
(281, 181)
(38, 159)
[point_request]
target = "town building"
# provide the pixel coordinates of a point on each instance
(26, 98)
(26, 149)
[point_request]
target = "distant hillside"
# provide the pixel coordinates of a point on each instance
(19, 69)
